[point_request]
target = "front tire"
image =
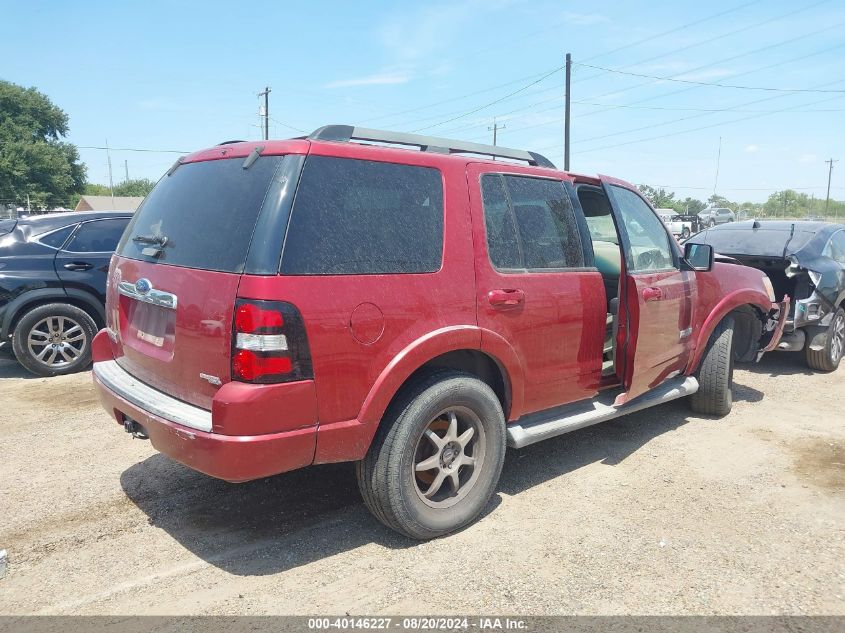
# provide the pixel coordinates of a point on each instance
(437, 456)
(828, 357)
(715, 373)
(712, 223)
(54, 339)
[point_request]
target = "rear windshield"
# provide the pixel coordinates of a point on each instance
(360, 217)
(206, 211)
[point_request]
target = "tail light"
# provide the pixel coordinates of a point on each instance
(269, 344)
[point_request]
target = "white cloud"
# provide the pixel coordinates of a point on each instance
(807, 158)
(377, 79)
(751, 148)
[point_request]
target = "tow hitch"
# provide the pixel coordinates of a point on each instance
(135, 429)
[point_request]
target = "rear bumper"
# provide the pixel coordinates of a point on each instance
(183, 432)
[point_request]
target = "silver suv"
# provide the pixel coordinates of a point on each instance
(711, 216)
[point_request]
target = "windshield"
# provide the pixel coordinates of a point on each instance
(201, 216)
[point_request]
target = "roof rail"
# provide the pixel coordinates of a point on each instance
(346, 133)
(229, 142)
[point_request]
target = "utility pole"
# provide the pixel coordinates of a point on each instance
(566, 113)
(829, 176)
(126, 167)
(111, 181)
(496, 127)
(718, 161)
(266, 113)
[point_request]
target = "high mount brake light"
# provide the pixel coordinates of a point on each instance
(269, 343)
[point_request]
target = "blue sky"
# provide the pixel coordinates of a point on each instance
(184, 75)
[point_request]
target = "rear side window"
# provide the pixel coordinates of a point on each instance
(56, 238)
(359, 217)
(99, 236)
(530, 224)
(206, 211)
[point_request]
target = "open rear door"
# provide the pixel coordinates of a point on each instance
(655, 311)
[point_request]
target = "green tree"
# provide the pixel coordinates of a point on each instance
(691, 205)
(720, 201)
(659, 198)
(138, 187)
(34, 160)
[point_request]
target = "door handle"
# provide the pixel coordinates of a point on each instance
(652, 294)
(79, 266)
(506, 298)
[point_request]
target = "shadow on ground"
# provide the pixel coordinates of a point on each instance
(10, 368)
(279, 523)
(776, 364)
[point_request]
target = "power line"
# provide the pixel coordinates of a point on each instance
(652, 38)
(705, 83)
(703, 127)
(135, 149)
(295, 129)
(487, 105)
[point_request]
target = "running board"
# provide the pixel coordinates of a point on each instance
(571, 417)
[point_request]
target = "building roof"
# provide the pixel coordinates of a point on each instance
(108, 203)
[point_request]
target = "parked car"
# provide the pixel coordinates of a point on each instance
(805, 260)
(412, 311)
(678, 227)
(53, 271)
(711, 216)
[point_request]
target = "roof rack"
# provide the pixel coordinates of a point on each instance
(346, 133)
(230, 142)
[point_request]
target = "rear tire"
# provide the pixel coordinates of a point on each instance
(54, 339)
(828, 357)
(685, 233)
(715, 373)
(463, 466)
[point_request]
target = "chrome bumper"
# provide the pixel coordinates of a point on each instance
(124, 385)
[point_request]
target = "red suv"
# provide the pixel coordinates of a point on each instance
(284, 303)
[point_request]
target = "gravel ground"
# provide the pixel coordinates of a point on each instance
(661, 512)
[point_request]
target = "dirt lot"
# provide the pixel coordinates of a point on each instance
(660, 512)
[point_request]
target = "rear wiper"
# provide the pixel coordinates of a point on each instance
(161, 240)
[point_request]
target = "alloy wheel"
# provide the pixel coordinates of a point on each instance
(837, 338)
(449, 457)
(57, 341)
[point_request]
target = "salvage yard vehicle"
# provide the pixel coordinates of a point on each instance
(412, 306)
(53, 271)
(805, 260)
(713, 216)
(677, 227)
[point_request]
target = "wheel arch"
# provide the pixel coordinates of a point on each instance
(742, 304)
(35, 298)
(458, 347)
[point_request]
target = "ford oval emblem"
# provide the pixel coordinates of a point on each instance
(143, 286)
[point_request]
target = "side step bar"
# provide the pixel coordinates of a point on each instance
(571, 417)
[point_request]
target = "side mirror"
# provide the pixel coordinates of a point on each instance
(699, 257)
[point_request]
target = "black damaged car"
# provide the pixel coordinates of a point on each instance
(805, 260)
(53, 271)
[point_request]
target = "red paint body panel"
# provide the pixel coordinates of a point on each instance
(233, 458)
(558, 328)
(243, 409)
(656, 350)
(368, 334)
(198, 336)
